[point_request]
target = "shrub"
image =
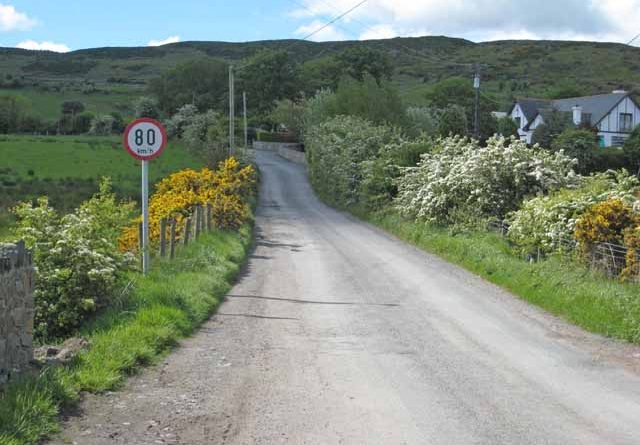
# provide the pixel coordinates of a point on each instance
(605, 222)
(460, 179)
(578, 144)
(337, 151)
(77, 260)
(176, 196)
(146, 107)
(207, 134)
(548, 222)
(179, 121)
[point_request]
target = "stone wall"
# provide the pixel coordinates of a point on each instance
(16, 310)
(275, 146)
(296, 156)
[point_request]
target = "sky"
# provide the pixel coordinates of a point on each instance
(64, 25)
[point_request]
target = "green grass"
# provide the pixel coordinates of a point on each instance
(164, 307)
(561, 286)
(48, 104)
(67, 169)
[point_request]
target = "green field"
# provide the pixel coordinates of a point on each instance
(47, 104)
(67, 169)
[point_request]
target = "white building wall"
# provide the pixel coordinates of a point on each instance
(517, 113)
(611, 123)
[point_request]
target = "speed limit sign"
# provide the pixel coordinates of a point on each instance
(145, 139)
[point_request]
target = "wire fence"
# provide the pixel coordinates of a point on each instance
(611, 259)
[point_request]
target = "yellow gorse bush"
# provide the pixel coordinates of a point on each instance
(225, 189)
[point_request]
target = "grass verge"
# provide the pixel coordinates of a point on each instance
(558, 285)
(162, 308)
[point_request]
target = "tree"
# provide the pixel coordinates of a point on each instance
(146, 107)
(317, 74)
(554, 124)
(202, 83)
(290, 114)
(459, 91)
(102, 125)
(359, 61)
(507, 127)
(453, 122)
(631, 150)
(378, 103)
(72, 107)
(179, 121)
(270, 76)
(12, 111)
(578, 144)
(207, 135)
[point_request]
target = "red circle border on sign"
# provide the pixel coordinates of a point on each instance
(147, 120)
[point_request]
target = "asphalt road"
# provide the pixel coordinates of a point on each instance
(340, 334)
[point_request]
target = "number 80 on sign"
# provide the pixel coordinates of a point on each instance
(145, 139)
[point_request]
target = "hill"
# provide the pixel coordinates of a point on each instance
(524, 68)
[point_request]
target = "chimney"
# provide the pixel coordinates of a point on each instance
(577, 115)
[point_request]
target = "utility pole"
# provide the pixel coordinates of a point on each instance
(246, 129)
(476, 86)
(232, 112)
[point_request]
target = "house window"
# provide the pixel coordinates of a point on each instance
(518, 122)
(618, 141)
(586, 119)
(626, 122)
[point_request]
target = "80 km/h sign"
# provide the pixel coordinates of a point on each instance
(145, 139)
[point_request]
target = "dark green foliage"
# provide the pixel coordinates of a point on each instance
(147, 107)
(12, 111)
(555, 123)
(268, 77)
(459, 92)
(579, 144)
(632, 150)
(376, 103)
(603, 159)
(360, 62)
(566, 90)
(453, 121)
(321, 73)
(72, 107)
(203, 83)
(507, 127)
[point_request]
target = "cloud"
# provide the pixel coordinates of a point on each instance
(12, 20)
(482, 20)
(168, 40)
(44, 46)
(330, 33)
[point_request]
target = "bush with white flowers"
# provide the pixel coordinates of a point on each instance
(77, 260)
(548, 222)
(337, 151)
(459, 179)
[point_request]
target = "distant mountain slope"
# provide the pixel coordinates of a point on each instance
(509, 67)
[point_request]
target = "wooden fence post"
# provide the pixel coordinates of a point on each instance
(187, 231)
(209, 216)
(163, 237)
(172, 239)
(198, 221)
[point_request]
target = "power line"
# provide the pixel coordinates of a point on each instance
(331, 22)
(633, 40)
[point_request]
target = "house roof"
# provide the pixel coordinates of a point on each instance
(547, 114)
(598, 106)
(530, 106)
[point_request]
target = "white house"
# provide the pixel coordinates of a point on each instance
(614, 115)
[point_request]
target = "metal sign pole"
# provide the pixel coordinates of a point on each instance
(145, 217)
